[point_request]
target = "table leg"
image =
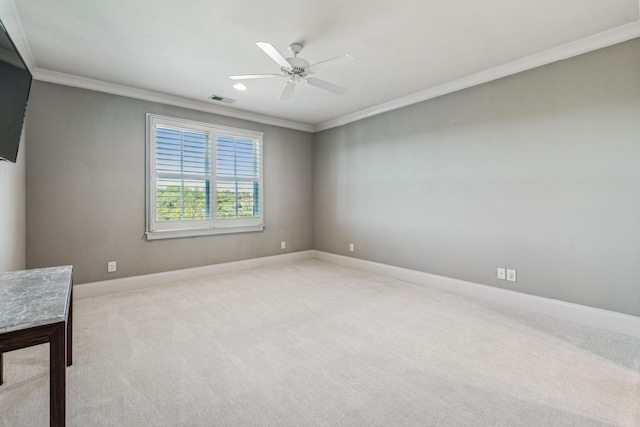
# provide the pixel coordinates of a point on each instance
(57, 393)
(1, 371)
(70, 330)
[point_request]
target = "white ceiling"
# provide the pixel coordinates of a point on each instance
(404, 50)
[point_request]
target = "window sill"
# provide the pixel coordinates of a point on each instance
(195, 232)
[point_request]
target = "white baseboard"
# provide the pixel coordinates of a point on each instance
(125, 284)
(589, 316)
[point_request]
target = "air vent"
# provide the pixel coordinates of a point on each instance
(222, 99)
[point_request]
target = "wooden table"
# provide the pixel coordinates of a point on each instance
(36, 307)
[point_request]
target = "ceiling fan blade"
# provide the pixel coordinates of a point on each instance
(274, 54)
(331, 64)
(287, 92)
(253, 76)
(338, 90)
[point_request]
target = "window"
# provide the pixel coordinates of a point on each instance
(202, 179)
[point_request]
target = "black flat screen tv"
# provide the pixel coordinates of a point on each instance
(15, 82)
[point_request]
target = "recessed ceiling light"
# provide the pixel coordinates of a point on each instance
(239, 86)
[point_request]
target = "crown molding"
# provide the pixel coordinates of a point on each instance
(146, 95)
(11, 19)
(569, 50)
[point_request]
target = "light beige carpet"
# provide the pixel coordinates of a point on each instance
(315, 344)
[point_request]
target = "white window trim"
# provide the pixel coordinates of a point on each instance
(163, 230)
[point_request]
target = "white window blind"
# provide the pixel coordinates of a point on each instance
(187, 193)
(237, 176)
(183, 174)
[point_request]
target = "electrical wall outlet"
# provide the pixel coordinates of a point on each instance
(502, 273)
(283, 245)
(511, 275)
(351, 247)
(111, 266)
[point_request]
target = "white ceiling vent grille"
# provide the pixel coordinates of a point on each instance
(222, 99)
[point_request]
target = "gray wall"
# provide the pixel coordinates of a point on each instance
(12, 213)
(86, 179)
(539, 172)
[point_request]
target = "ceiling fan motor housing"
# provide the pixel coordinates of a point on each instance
(298, 66)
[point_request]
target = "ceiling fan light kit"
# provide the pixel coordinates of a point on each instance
(297, 70)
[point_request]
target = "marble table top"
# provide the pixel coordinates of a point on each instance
(35, 297)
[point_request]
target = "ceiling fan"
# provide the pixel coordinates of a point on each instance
(297, 70)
